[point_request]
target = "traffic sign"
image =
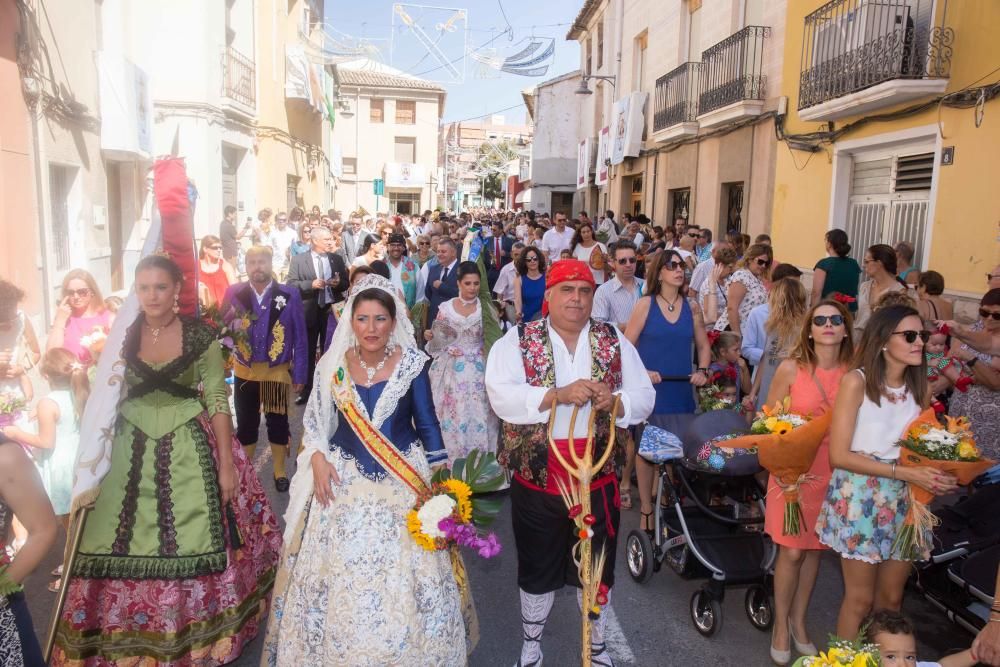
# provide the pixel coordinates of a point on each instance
(379, 186)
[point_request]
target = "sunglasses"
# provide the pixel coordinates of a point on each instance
(673, 265)
(835, 320)
(695, 236)
(764, 262)
(423, 243)
(77, 292)
(215, 247)
(532, 258)
(985, 314)
(911, 336)
(627, 260)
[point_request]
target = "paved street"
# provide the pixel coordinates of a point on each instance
(651, 625)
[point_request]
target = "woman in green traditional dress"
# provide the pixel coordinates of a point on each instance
(178, 555)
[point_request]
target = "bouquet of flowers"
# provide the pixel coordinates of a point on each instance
(786, 445)
(711, 397)
(843, 653)
(94, 342)
(11, 406)
(451, 515)
(950, 448)
(231, 336)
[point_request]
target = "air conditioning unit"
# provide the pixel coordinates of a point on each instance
(868, 23)
(346, 107)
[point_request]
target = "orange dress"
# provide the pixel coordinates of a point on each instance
(216, 282)
(807, 399)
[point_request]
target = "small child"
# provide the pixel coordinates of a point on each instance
(565, 254)
(54, 445)
(721, 392)
(726, 360)
(940, 363)
(893, 634)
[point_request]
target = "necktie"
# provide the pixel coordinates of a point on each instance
(498, 252)
(321, 296)
(444, 274)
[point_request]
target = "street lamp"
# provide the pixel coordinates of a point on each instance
(585, 90)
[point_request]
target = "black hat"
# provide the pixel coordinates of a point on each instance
(397, 238)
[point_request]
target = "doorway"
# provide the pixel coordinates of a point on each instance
(562, 202)
(231, 158)
(635, 195)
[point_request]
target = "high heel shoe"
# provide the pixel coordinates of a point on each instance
(779, 657)
(807, 648)
(645, 525)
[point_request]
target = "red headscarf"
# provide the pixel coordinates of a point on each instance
(565, 270)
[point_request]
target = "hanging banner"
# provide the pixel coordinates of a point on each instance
(583, 164)
(627, 123)
(603, 154)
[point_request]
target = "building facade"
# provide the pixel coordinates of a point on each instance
(551, 180)
(388, 130)
(681, 122)
(923, 172)
(461, 145)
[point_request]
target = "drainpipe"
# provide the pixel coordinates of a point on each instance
(47, 308)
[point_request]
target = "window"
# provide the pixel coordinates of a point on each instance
(60, 188)
(694, 32)
(680, 204)
(292, 191)
(600, 43)
(589, 49)
(377, 111)
(406, 112)
(350, 166)
(406, 149)
(732, 195)
(641, 42)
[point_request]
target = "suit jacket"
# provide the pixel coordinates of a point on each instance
(351, 243)
(494, 263)
(437, 296)
(276, 330)
(302, 273)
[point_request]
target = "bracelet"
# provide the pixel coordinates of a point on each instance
(894, 470)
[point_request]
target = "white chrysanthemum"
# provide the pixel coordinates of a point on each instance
(431, 513)
(939, 436)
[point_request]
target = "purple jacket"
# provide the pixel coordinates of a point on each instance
(277, 326)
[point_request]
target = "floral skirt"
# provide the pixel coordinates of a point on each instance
(862, 515)
(201, 621)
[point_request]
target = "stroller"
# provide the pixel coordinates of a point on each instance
(708, 519)
(960, 575)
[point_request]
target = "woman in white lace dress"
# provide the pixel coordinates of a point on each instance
(354, 588)
(458, 372)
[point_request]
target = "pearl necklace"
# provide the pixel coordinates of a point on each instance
(470, 302)
(156, 331)
(370, 372)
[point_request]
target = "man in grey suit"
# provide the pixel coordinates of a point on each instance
(352, 238)
(322, 279)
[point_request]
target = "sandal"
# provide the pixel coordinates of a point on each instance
(55, 586)
(58, 571)
(626, 498)
(642, 520)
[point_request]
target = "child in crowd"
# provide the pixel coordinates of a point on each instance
(893, 634)
(726, 360)
(57, 439)
(113, 303)
(721, 392)
(941, 364)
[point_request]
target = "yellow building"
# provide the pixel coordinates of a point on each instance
(292, 127)
(890, 135)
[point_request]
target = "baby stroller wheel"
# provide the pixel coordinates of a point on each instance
(706, 613)
(757, 604)
(639, 554)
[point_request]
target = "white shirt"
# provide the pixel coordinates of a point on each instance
(281, 242)
(878, 428)
(262, 294)
(701, 273)
(606, 226)
(554, 242)
(504, 286)
(516, 402)
(584, 254)
(614, 303)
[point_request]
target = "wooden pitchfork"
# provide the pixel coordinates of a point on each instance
(75, 535)
(582, 469)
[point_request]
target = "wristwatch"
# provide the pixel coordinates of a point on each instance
(704, 371)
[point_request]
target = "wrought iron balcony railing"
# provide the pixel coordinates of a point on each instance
(732, 70)
(850, 45)
(239, 78)
(676, 97)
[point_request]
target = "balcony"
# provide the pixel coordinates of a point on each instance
(732, 81)
(863, 55)
(239, 80)
(675, 105)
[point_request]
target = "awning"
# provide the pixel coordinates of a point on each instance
(523, 197)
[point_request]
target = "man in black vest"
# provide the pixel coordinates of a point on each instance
(442, 281)
(321, 278)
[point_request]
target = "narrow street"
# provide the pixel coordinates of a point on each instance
(651, 625)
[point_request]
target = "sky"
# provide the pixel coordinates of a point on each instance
(494, 29)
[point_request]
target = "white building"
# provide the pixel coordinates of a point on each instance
(387, 129)
(552, 171)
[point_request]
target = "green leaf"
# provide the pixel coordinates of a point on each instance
(440, 475)
(480, 471)
(485, 510)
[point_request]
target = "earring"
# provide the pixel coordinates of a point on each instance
(884, 349)
(176, 307)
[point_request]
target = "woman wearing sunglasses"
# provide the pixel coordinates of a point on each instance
(810, 377)
(663, 320)
(981, 403)
(529, 284)
(214, 275)
(746, 288)
(867, 500)
(80, 312)
(880, 267)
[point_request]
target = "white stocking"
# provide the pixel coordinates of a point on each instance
(534, 612)
(599, 656)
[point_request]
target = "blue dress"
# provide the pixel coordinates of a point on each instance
(532, 293)
(666, 349)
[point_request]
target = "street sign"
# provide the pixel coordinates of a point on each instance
(378, 186)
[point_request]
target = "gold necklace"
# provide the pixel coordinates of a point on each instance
(155, 331)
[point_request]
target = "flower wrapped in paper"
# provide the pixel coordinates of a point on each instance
(786, 445)
(843, 653)
(950, 448)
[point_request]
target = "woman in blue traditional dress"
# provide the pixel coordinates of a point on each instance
(354, 587)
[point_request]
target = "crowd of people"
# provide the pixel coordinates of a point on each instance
(413, 340)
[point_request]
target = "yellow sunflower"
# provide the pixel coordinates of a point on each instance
(413, 525)
(463, 497)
